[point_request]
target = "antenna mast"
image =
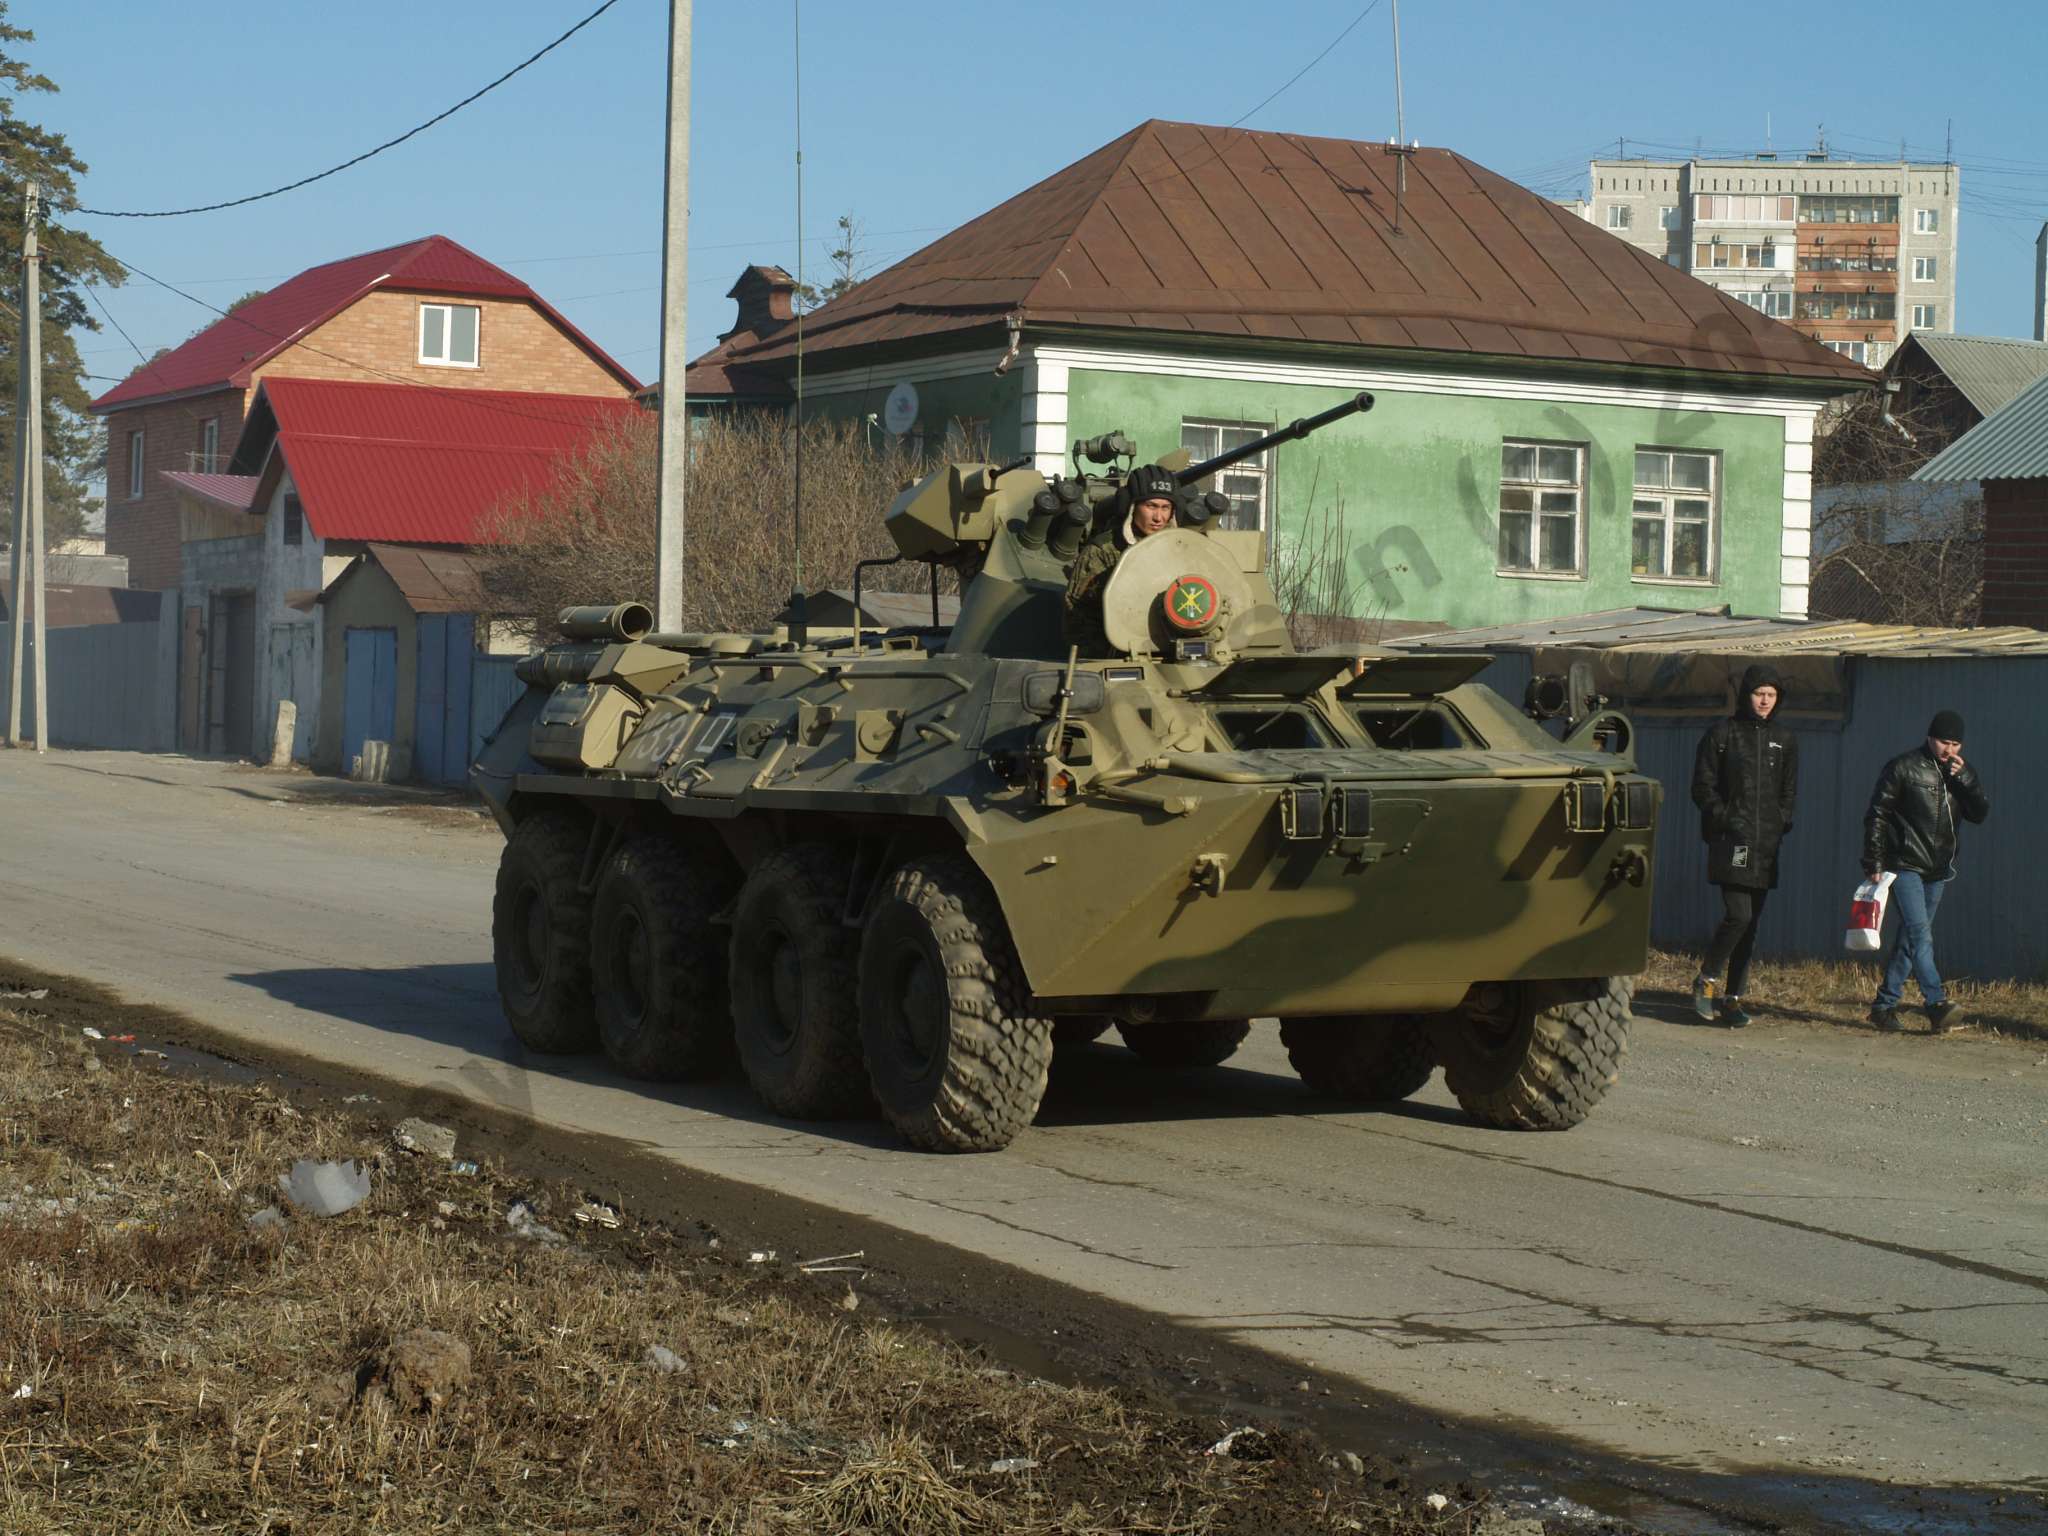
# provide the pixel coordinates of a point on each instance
(799, 627)
(1401, 150)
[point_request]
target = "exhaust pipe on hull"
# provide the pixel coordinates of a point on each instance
(626, 621)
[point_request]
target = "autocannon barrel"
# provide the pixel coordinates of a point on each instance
(1362, 401)
(626, 621)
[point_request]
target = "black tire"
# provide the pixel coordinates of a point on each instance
(956, 1054)
(795, 1015)
(1079, 1029)
(658, 963)
(1168, 1046)
(1538, 1056)
(540, 934)
(1367, 1059)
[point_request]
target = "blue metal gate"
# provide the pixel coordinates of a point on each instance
(447, 653)
(369, 710)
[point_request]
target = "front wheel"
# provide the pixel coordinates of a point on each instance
(957, 1057)
(540, 934)
(1536, 1056)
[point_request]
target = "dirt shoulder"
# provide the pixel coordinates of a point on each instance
(466, 1348)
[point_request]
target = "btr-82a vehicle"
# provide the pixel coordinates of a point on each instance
(896, 868)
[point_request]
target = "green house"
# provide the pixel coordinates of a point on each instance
(1563, 422)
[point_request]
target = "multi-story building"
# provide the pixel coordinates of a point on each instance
(1855, 253)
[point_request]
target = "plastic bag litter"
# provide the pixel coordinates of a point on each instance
(326, 1189)
(1866, 914)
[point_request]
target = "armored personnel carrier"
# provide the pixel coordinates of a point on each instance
(893, 870)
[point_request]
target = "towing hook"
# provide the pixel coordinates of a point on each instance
(1208, 873)
(1630, 867)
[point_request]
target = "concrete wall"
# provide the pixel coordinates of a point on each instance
(1418, 480)
(112, 686)
(1990, 923)
(288, 638)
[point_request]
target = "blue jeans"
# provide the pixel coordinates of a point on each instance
(1917, 899)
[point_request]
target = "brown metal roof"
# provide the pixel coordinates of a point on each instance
(71, 606)
(1235, 232)
(433, 580)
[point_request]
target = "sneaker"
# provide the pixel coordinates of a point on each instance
(1886, 1019)
(1944, 1018)
(1704, 989)
(1733, 1014)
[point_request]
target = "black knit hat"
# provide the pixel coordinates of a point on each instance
(1947, 725)
(1759, 674)
(1148, 482)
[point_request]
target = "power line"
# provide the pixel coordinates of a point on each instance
(304, 181)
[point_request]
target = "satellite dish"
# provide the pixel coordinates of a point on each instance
(899, 411)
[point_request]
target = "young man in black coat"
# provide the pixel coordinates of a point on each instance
(1910, 829)
(1745, 777)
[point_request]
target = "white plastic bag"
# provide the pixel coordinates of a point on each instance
(1866, 913)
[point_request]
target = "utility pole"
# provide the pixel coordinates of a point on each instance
(675, 255)
(28, 480)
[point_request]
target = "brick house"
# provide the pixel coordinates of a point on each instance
(426, 312)
(1563, 422)
(373, 354)
(2007, 453)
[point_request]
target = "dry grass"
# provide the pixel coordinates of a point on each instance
(1840, 992)
(164, 1366)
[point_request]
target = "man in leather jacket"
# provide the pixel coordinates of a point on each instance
(1745, 778)
(1910, 829)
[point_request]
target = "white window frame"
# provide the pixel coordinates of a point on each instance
(1537, 489)
(1923, 317)
(1926, 221)
(1667, 496)
(447, 313)
(209, 445)
(1855, 351)
(1258, 468)
(135, 450)
(1926, 269)
(1620, 216)
(1777, 303)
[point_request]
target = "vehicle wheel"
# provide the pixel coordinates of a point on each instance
(1538, 1056)
(957, 1058)
(1205, 1044)
(1079, 1029)
(540, 934)
(794, 1013)
(658, 963)
(1366, 1058)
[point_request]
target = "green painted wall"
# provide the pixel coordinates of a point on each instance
(979, 396)
(1419, 482)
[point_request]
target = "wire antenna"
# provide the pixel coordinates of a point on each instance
(799, 627)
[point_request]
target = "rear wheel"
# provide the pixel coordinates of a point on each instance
(794, 1011)
(1205, 1044)
(658, 963)
(540, 934)
(957, 1057)
(1536, 1056)
(1363, 1058)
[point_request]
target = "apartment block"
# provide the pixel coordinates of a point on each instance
(1855, 253)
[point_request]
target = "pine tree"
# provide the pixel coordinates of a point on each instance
(74, 441)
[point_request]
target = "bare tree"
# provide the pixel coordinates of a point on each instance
(1315, 580)
(586, 535)
(1888, 549)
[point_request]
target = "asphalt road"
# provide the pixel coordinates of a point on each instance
(1794, 1247)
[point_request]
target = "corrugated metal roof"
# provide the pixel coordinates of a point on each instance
(225, 353)
(71, 606)
(2010, 445)
(431, 580)
(1663, 629)
(1233, 232)
(408, 464)
(1989, 370)
(236, 493)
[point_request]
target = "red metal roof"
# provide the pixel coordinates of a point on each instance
(234, 493)
(1232, 232)
(226, 352)
(407, 464)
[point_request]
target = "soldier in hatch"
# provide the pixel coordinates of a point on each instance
(1152, 495)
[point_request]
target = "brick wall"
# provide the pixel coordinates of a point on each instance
(2016, 552)
(145, 528)
(517, 348)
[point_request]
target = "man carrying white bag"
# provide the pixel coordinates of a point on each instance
(1910, 835)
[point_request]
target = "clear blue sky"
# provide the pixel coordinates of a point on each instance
(917, 116)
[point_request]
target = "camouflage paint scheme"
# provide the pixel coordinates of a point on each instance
(1140, 855)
